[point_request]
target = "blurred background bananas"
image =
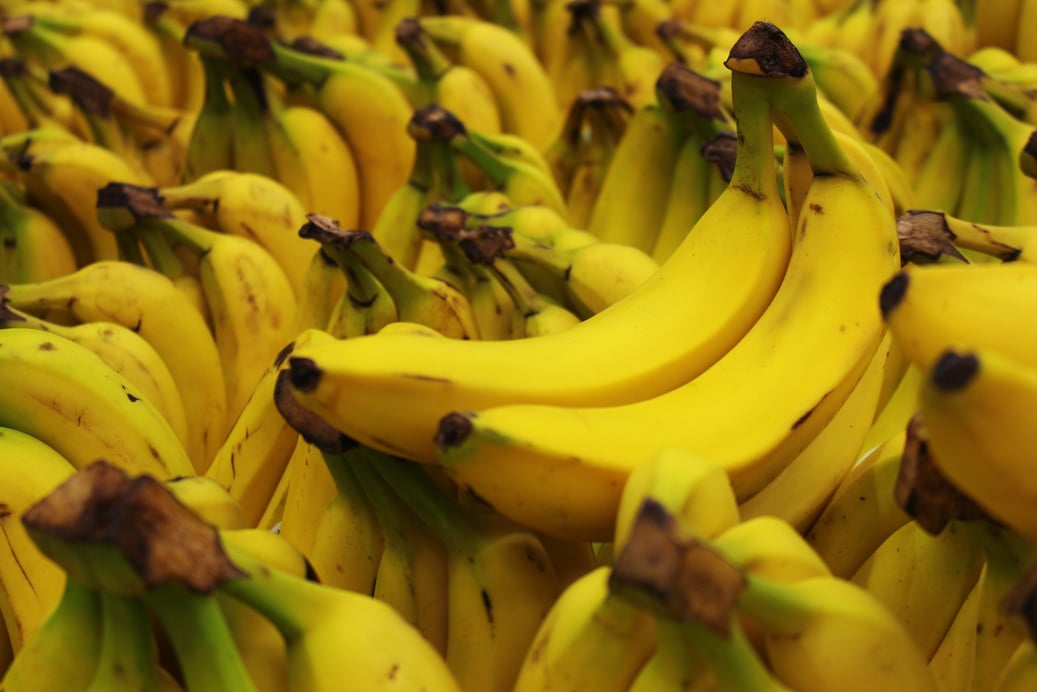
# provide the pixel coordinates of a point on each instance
(632, 345)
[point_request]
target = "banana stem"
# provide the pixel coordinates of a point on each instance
(440, 514)
(127, 659)
(199, 240)
(773, 604)
(202, 640)
(161, 254)
(496, 169)
(766, 53)
(734, 661)
(755, 166)
(292, 65)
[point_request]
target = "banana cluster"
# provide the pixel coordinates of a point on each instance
(514, 346)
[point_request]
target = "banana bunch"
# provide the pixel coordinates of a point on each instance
(131, 552)
(936, 111)
(604, 344)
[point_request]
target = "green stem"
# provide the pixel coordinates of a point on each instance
(127, 659)
(734, 661)
(440, 514)
(160, 252)
(774, 604)
(292, 65)
(202, 640)
(496, 168)
(199, 240)
(755, 167)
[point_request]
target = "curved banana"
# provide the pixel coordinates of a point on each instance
(523, 91)
(800, 491)
(254, 454)
(932, 308)
(923, 579)
(973, 404)
(817, 630)
(310, 490)
(46, 659)
(601, 445)
(501, 582)
(863, 505)
(124, 351)
(64, 394)
(249, 296)
(250, 206)
(65, 179)
(209, 500)
(590, 639)
(32, 246)
(321, 624)
(150, 304)
(31, 583)
(678, 322)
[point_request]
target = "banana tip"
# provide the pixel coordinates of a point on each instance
(304, 374)
(954, 370)
(454, 429)
(893, 293)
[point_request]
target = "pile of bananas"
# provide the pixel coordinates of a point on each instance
(520, 345)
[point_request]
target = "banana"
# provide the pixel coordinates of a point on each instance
(953, 662)
(348, 540)
(309, 492)
(321, 626)
(841, 75)
(249, 296)
(823, 633)
(864, 506)
(527, 437)
(211, 145)
(127, 659)
(697, 319)
(523, 91)
(209, 500)
(770, 547)
(419, 299)
(799, 493)
(46, 658)
(64, 179)
(32, 246)
(501, 582)
(630, 68)
(255, 452)
(314, 162)
(30, 584)
(999, 138)
(250, 119)
(184, 66)
(457, 88)
(323, 285)
(690, 192)
(1020, 672)
(201, 637)
(122, 350)
(357, 99)
(966, 409)
(996, 22)
(365, 306)
(932, 308)
(581, 153)
(62, 393)
(923, 579)
(521, 181)
(646, 156)
(691, 488)
(934, 234)
(998, 630)
(151, 305)
(131, 39)
(99, 57)
(250, 206)
(412, 570)
(590, 639)
(493, 310)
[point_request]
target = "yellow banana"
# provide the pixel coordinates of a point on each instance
(160, 313)
(33, 247)
(478, 447)
(743, 229)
